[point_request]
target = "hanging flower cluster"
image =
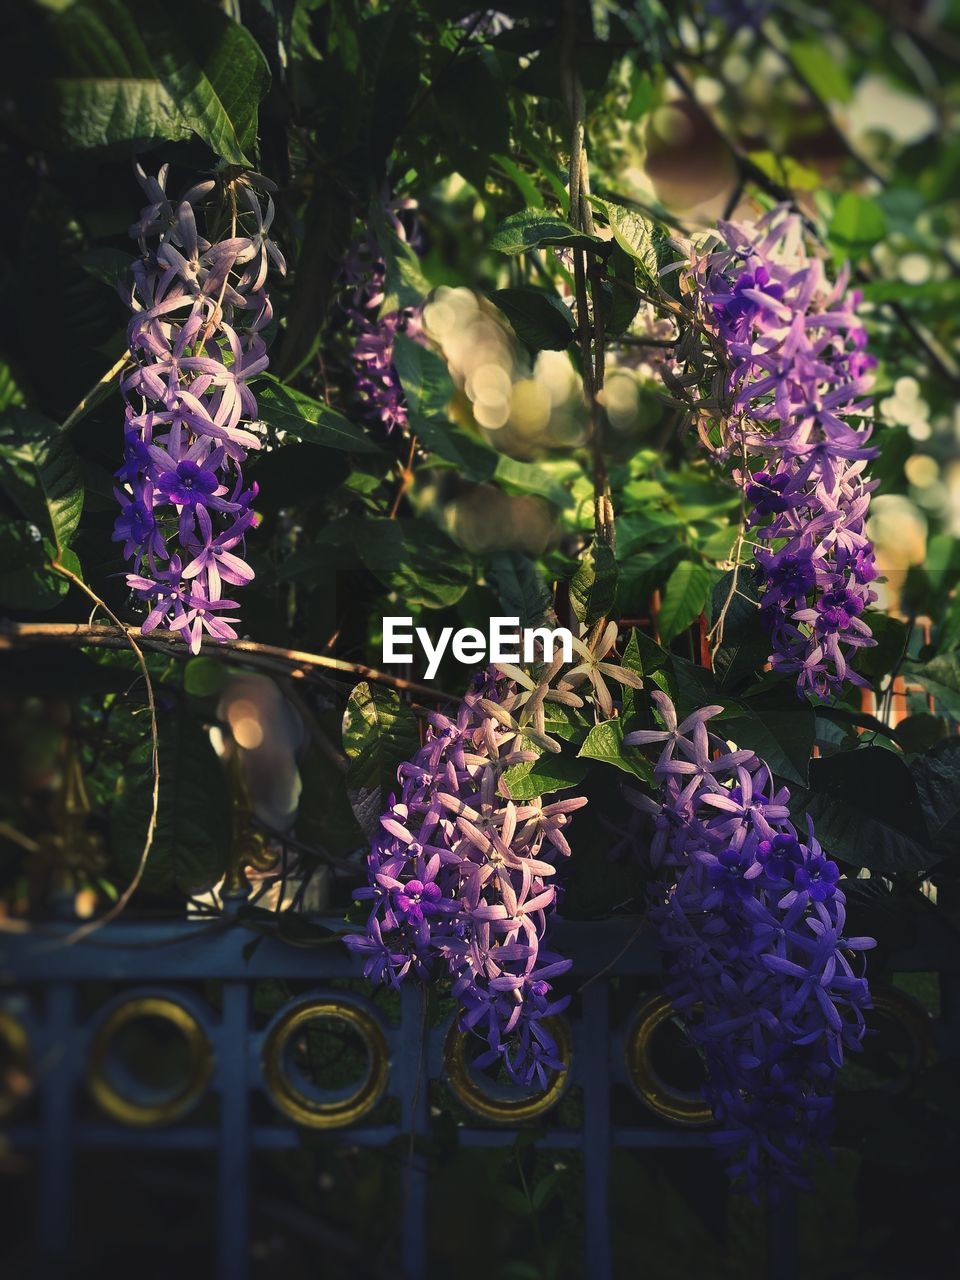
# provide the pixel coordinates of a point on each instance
(364, 276)
(798, 375)
(199, 309)
(750, 917)
(460, 875)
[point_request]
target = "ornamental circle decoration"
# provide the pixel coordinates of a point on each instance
(319, 1113)
(501, 1110)
(118, 1104)
(677, 1105)
(16, 1047)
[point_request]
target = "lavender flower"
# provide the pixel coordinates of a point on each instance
(199, 311)
(364, 276)
(750, 917)
(460, 875)
(798, 374)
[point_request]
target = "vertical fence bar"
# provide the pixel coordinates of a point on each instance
(595, 1077)
(58, 1075)
(783, 1236)
(233, 1175)
(412, 1081)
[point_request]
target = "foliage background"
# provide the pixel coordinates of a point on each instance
(694, 110)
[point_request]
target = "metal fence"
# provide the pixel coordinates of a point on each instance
(83, 1099)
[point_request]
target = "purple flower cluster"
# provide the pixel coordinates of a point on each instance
(199, 309)
(750, 917)
(798, 375)
(459, 876)
(364, 276)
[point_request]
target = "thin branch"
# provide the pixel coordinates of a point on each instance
(288, 662)
(406, 479)
(81, 407)
(92, 925)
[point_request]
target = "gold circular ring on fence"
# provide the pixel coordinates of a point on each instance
(321, 1113)
(136, 1112)
(677, 1105)
(490, 1106)
(15, 1078)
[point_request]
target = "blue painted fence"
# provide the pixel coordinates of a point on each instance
(168, 961)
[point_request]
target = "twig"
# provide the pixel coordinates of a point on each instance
(80, 408)
(406, 479)
(271, 657)
(92, 925)
(590, 334)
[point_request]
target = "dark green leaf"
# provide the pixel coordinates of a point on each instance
(539, 319)
(535, 228)
(473, 105)
(423, 375)
(636, 236)
(604, 742)
(40, 473)
(593, 588)
(26, 580)
(133, 73)
(443, 439)
(777, 725)
(745, 641)
(684, 599)
(522, 592)
(551, 772)
(868, 811)
(310, 420)
(379, 733)
(937, 776)
(941, 677)
(191, 846)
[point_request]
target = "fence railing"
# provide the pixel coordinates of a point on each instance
(197, 979)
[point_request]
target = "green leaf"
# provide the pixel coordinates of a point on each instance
(40, 474)
(684, 598)
(536, 228)
(527, 477)
(746, 642)
(411, 557)
(471, 457)
(868, 811)
(858, 223)
(191, 846)
(133, 73)
(891, 637)
(473, 105)
(26, 580)
(937, 777)
(379, 733)
(777, 725)
(539, 319)
(593, 588)
(405, 285)
(941, 677)
(423, 375)
(820, 68)
(328, 223)
(310, 420)
(521, 590)
(204, 677)
(551, 772)
(604, 742)
(642, 239)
